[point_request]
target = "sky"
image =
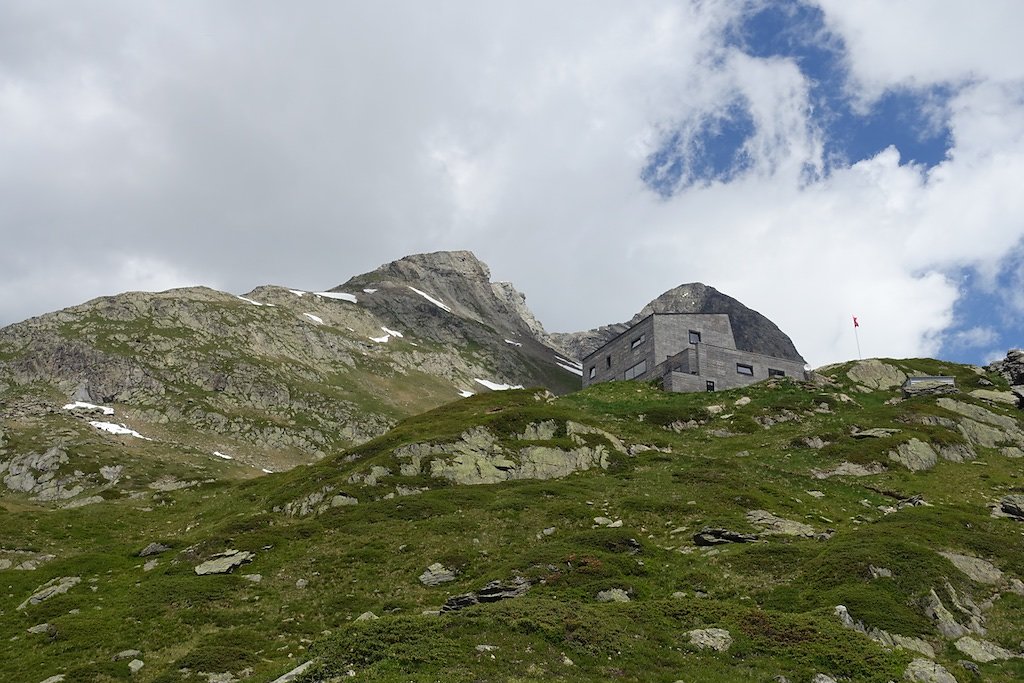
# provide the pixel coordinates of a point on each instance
(814, 159)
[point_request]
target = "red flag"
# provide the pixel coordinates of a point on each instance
(855, 323)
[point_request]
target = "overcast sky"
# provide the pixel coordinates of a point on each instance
(815, 160)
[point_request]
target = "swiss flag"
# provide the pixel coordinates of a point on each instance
(855, 323)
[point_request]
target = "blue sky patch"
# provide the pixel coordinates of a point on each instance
(914, 120)
(712, 149)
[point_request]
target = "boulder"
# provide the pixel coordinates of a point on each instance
(154, 549)
(709, 536)
(492, 592)
(849, 469)
(1013, 505)
(977, 569)
(135, 665)
(982, 650)
(717, 639)
(436, 574)
(225, 562)
(873, 433)
(1003, 397)
(875, 374)
(943, 619)
(613, 595)
(51, 588)
(927, 671)
(294, 673)
(778, 525)
(915, 455)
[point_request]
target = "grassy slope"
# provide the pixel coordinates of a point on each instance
(775, 598)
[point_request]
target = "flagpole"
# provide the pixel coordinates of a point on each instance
(857, 337)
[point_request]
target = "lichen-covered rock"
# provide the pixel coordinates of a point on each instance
(977, 569)
(875, 374)
(613, 595)
(773, 524)
(849, 469)
(224, 563)
(982, 650)
(915, 455)
(926, 671)
(717, 639)
(436, 574)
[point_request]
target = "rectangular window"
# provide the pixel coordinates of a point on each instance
(635, 371)
(694, 337)
(593, 372)
(608, 361)
(745, 369)
(638, 341)
(710, 386)
(772, 372)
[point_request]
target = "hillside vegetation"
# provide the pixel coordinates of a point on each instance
(617, 533)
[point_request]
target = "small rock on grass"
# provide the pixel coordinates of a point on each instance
(927, 671)
(437, 574)
(136, 665)
(717, 639)
(367, 616)
(613, 595)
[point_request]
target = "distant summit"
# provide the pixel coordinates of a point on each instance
(753, 332)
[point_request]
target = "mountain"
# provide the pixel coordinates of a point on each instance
(269, 380)
(833, 530)
(753, 331)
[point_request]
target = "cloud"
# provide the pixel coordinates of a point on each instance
(243, 143)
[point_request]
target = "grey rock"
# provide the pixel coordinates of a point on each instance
(982, 650)
(1013, 505)
(915, 455)
(225, 563)
(970, 666)
(150, 565)
(367, 616)
(879, 572)
(59, 678)
(82, 502)
(540, 431)
(717, 639)
(927, 671)
(849, 469)
(771, 524)
(301, 583)
(822, 678)
(50, 589)
(875, 374)
(874, 433)
(135, 665)
(613, 595)
(436, 574)
(253, 578)
(1011, 367)
(977, 569)
(943, 619)
(494, 591)
(42, 628)
(711, 536)
(885, 638)
(154, 549)
(126, 654)
(112, 473)
(342, 500)
(294, 673)
(1002, 397)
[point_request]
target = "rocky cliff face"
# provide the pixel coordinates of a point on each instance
(753, 331)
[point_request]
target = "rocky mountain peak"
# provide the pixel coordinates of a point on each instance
(459, 280)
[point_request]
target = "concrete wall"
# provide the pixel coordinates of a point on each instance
(672, 332)
(622, 355)
(719, 364)
(715, 358)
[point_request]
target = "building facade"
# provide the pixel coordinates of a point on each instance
(687, 352)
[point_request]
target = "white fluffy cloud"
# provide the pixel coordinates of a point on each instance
(243, 143)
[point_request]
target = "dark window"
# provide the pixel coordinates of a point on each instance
(593, 372)
(608, 361)
(772, 372)
(635, 371)
(745, 369)
(694, 337)
(638, 341)
(710, 386)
